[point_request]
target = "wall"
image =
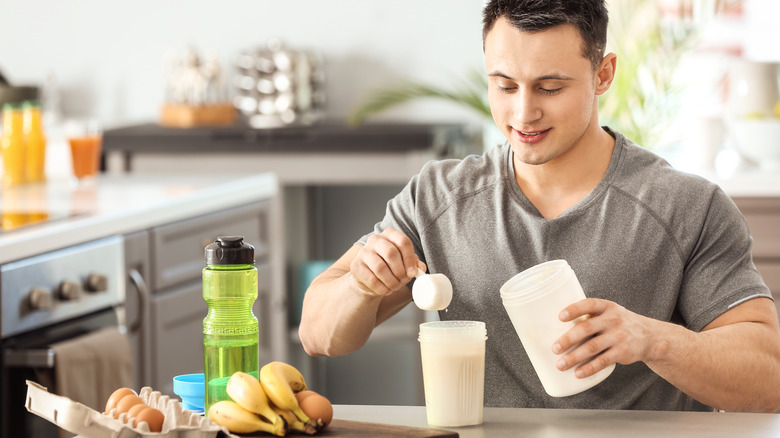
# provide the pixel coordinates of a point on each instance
(108, 57)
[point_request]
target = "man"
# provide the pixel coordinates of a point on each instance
(664, 257)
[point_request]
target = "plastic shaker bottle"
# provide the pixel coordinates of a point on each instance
(453, 364)
(230, 329)
(533, 299)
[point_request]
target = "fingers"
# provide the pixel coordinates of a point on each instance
(386, 263)
(586, 307)
(403, 244)
(604, 334)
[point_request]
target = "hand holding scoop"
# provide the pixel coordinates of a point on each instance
(431, 291)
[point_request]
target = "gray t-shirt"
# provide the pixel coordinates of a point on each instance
(659, 242)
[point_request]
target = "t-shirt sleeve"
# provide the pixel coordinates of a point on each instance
(400, 215)
(719, 273)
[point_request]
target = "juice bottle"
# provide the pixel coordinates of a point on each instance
(12, 146)
(230, 329)
(35, 142)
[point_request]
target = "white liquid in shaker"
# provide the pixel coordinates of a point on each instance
(448, 404)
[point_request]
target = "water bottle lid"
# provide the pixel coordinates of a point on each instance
(230, 250)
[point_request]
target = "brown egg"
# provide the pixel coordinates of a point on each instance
(152, 417)
(134, 411)
(126, 403)
(303, 394)
(317, 407)
(116, 396)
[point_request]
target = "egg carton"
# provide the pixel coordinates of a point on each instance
(84, 421)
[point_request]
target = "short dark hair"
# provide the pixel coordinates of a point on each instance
(588, 16)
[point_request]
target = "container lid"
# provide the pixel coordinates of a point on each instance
(453, 331)
(18, 94)
(535, 281)
(230, 250)
(191, 389)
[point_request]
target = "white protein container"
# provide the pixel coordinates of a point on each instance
(533, 299)
(453, 364)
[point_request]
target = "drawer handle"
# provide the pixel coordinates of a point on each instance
(29, 358)
(143, 296)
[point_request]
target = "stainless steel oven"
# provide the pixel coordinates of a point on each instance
(47, 299)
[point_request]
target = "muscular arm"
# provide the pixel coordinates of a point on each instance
(732, 364)
(365, 287)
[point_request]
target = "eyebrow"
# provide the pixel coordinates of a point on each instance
(547, 77)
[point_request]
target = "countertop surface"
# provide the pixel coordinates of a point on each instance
(112, 205)
(737, 177)
(747, 184)
(581, 423)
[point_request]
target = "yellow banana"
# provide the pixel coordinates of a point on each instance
(237, 419)
(293, 422)
(281, 381)
(246, 390)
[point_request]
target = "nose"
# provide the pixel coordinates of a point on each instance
(527, 108)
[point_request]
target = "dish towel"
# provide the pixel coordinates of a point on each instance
(89, 368)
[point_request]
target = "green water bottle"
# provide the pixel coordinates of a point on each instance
(230, 329)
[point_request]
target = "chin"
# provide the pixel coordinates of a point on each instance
(529, 157)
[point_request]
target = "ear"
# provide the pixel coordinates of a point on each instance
(606, 73)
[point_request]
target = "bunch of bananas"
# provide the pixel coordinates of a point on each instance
(265, 405)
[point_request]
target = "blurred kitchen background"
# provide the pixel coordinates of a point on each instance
(284, 78)
(110, 59)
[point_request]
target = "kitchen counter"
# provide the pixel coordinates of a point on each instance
(114, 205)
(748, 183)
(732, 173)
(581, 423)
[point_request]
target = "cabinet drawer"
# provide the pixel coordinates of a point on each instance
(177, 248)
(763, 218)
(177, 334)
(263, 309)
(770, 272)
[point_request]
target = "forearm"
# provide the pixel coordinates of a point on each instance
(337, 317)
(734, 367)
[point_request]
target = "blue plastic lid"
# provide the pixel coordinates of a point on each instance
(191, 389)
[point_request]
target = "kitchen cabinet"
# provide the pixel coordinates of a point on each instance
(763, 218)
(165, 305)
(387, 370)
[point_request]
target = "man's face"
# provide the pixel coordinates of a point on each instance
(541, 90)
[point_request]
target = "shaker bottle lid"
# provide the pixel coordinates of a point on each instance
(230, 250)
(18, 94)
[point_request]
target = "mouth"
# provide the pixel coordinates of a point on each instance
(532, 136)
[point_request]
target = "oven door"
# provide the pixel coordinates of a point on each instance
(49, 299)
(29, 357)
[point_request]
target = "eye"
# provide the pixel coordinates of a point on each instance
(505, 88)
(550, 91)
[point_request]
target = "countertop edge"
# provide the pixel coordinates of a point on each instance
(38, 240)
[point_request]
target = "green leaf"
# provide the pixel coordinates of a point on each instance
(470, 92)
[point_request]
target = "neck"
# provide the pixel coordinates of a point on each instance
(555, 186)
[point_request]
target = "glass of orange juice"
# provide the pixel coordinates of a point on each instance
(86, 139)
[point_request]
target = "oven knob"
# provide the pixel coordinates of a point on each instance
(39, 298)
(68, 291)
(96, 283)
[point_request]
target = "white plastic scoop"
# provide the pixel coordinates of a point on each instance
(431, 291)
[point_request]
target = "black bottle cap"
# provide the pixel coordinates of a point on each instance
(230, 250)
